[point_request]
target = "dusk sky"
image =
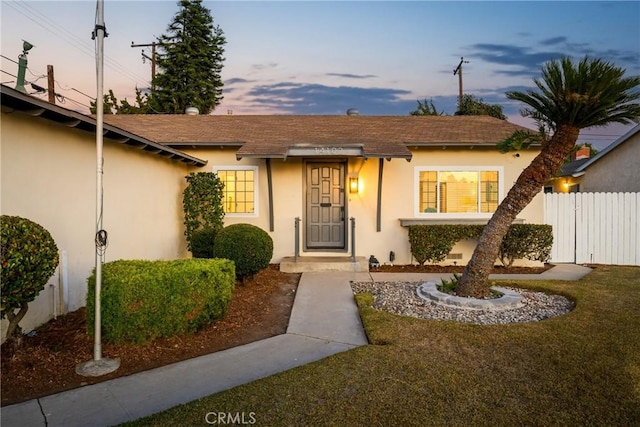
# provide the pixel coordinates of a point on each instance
(326, 57)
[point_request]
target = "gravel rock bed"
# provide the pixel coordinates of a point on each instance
(401, 298)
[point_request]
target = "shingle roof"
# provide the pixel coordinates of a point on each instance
(570, 168)
(277, 135)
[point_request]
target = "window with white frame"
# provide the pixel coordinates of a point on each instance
(240, 192)
(459, 191)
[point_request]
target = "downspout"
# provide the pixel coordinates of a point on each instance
(270, 190)
(63, 278)
(379, 206)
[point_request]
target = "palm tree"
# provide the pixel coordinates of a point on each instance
(570, 97)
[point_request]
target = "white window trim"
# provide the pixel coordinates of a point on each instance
(438, 215)
(256, 178)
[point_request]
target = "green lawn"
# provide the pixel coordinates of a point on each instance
(579, 369)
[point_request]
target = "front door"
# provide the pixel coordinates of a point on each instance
(325, 206)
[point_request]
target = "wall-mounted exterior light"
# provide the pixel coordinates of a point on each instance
(353, 184)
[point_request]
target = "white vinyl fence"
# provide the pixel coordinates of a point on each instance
(594, 228)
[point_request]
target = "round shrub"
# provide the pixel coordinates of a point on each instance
(28, 258)
(248, 246)
(202, 243)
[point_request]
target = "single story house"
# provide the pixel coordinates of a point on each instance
(321, 186)
(614, 169)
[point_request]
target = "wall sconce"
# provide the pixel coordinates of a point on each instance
(566, 185)
(353, 184)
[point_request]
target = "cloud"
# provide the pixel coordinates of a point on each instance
(312, 98)
(521, 61)
(553, 40)
(262, 67)
(351, 76)
(527, 61)
(236, 80)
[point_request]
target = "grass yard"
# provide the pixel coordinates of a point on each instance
(579, 369)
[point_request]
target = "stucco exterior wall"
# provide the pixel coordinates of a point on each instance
(398, 198)
(617, 171)
(49, 176)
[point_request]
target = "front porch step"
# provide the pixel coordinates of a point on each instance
(323, 263)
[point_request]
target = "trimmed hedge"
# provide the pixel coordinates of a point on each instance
(248, 246)
(526, 241)
(432, 243)
(202, 242)
(144, 300)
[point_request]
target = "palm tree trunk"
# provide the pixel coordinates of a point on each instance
(474, 281)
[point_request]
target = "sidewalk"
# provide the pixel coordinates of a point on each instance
(324, 321)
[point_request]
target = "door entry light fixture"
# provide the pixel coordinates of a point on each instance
(353, 184)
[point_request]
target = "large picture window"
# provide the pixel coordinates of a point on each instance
(240, 189)
(459, 191)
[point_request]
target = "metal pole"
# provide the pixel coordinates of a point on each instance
(99, 366)
(97, 343)
(353, 239)
(296, 227)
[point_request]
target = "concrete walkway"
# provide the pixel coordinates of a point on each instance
(324, 321)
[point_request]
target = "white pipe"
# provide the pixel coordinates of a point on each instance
(55, 299)
(63, 281)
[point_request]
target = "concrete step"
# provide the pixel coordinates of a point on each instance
(306, 264)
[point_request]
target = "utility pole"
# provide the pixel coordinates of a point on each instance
(151, 58)
(458, 71)
(50, 84)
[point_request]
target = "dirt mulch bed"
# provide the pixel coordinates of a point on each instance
(457, 269)
(45, 364)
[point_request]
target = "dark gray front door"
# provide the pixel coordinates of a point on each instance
(325, 206)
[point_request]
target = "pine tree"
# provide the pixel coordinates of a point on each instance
(189, 62)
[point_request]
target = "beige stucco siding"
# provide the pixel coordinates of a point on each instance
(398, 197)
(617, 171)
(49, 176)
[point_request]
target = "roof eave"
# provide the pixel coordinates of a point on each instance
(15, 101)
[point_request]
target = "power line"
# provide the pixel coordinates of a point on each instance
(15, 77)
(90, 97)
(9, 59)
(85, 47)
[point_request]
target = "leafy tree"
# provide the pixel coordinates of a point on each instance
(28, 258)
(189, 61)
(569, 97)
(111, 105)
(426, 108)
(472, 106)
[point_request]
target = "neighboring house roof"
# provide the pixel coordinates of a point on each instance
(580, 170)
(280, 136)
(570, 168)
(15, 101)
